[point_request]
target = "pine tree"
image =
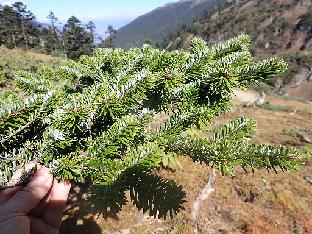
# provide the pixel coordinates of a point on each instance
(25, 20)
(91, 29)
(109, 42)
(9, 27)
(51, 35)
(91, 119)
(53, 21)
(77, 41)
(17, 26)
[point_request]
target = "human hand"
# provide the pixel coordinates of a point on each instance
(36, 209)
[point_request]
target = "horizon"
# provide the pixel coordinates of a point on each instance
(117, 13)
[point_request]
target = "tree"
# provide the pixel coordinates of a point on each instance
(149, 42)
(51, 36)
(77, 41)
(8, 34)
(25, 20)
(109, 42)
(89, 119)
(91, 28)
(17, 26)
(53, 21)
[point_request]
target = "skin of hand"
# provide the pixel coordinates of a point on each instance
(36, 208)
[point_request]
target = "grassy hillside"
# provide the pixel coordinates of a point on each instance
(156, 24)
(280, 28)
(15, 60)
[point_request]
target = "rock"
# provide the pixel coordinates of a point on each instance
(308, 180)
(267, 45)
(125, 231)
(306, 139)
(261, 100)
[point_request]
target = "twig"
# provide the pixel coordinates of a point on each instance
(204, 194)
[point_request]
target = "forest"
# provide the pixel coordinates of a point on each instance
(19, 29)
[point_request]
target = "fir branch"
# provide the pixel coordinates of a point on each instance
(236, 129)
(92, 123)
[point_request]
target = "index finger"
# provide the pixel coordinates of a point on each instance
(54, 210)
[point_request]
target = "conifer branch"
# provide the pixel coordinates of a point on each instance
(86, 119)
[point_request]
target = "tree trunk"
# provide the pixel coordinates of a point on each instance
(24, 35)
(63, 45)
(13, 39)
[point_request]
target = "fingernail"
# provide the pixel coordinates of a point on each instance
(43, 174)
(66, 182)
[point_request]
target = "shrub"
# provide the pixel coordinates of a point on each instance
(274, 107)
(292, 132)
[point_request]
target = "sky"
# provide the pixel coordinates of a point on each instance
(102, 12)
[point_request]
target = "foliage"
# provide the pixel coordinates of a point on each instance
(19, 29)
(90, 118)
(109, 42)
(6, 97)
(77, 41)
(306, 156)
(292, 132)
(16, 26)
(276, 107)
(298, 62)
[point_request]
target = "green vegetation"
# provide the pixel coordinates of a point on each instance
(293, 132)
(20, 30)
(274, 107)
(297, 61)
(12, 61)
(77, 41)
(306, 155)
(110, 41)
(88, 119)
(6, 97)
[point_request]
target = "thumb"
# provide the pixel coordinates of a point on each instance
(27, 199)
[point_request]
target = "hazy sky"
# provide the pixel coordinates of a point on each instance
(115, 12)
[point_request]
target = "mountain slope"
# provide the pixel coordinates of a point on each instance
(14, 60)
(156, 24)
(278, 27)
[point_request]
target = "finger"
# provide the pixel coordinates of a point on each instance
(8, 193)
(37, 226)
(40, 208)
(26, 199)
(54, 210)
